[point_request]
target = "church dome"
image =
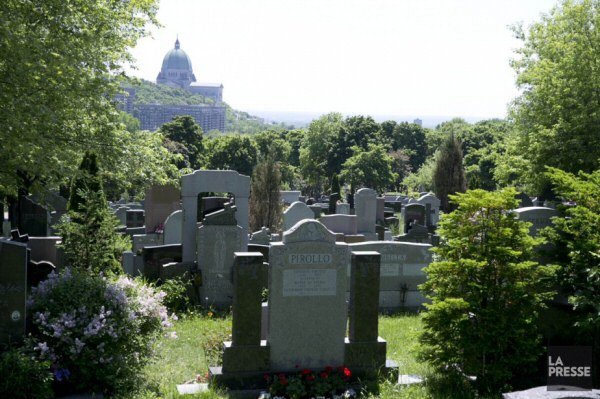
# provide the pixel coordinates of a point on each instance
(177, 59)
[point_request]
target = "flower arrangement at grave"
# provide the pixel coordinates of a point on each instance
(96, 332)
(327, 383)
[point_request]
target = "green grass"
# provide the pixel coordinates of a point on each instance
(199, 342)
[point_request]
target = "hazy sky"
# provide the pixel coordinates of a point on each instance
(372, 57)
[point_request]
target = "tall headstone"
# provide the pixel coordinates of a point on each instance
(13, 290)
(218, 237)
(538, 216)
(295, 213)
(221, 181)
(307, 298)
(365, 205)
(33, 219)
(413, 214)
(159, 203)
(345, 224)
(134, 218)
(246, 351)
(432, 215)
(173, 229)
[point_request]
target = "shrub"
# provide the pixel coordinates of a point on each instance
(24, 377)
(90, 241)
(485, 292)
(177, 289)
(97, 333)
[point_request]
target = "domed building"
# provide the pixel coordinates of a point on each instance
(177, 71)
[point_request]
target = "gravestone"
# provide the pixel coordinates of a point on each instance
(539, 217)
(261, 237)
(159, 203)
(155, 257)
(221, 181)
(218, 237)
(432, 214)
(342, 209)
(307, 306)
(173, 229)
(247, 351)
(13, 291)
(296, 212)
(134, 218)
(121, 214)
(413, 214)
(365, 206)
(417, 233)
(345, 224)
(289, 197)
(401, 272)
(33, 218)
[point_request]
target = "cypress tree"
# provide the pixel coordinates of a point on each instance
(265, 200)
(449, 172)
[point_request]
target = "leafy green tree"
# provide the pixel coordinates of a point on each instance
(231, 152)
(87, 179)
(558, 113)
(485, 292)
(265, 200)
(316, 152)
(58, 63)
(449, 173)
(371, 168)
(410, 138)
(422, 179)
(578, 234)
(401, 166)
(184, 130)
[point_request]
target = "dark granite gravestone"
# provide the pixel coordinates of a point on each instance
(246, 351)
(135, 218)
(13, 290)
(157, 256)
(364, 350)
(33, 218)
(413, 214)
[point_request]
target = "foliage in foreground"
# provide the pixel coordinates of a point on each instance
(96, 333)
(485, 292)
(580, 238)
(24, 377)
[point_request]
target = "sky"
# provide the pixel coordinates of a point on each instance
(370, 57)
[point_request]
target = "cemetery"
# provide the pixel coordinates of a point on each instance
(345, 257)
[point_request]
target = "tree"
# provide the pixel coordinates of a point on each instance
(58, 67)
(184, 130)
(317, 150)
(265, 201)
(485, 292)
(557, 116)
(400, 165)
(232, 152)
(371, 168)
(578, 235)
(410, 138)
(88, 230)
(449, 173)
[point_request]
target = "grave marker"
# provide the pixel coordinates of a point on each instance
(13, 290)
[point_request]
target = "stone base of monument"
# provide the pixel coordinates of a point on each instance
(246, 358)
(367, 360)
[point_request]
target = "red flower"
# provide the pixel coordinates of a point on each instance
(328, 369)
(310, 377)
(267, 377)
(282, 379)
(347, 373)
(324, 375)
(305, 372)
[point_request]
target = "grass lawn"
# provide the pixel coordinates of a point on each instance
(199, 341)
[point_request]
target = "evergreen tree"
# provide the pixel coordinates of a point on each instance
(88, 231)
(449, 172)
(485, 292)
(265, 200)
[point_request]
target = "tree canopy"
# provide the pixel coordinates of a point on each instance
(58, 67)
(557, 116)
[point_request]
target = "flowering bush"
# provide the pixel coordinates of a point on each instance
(308, 384)
(97, 333)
